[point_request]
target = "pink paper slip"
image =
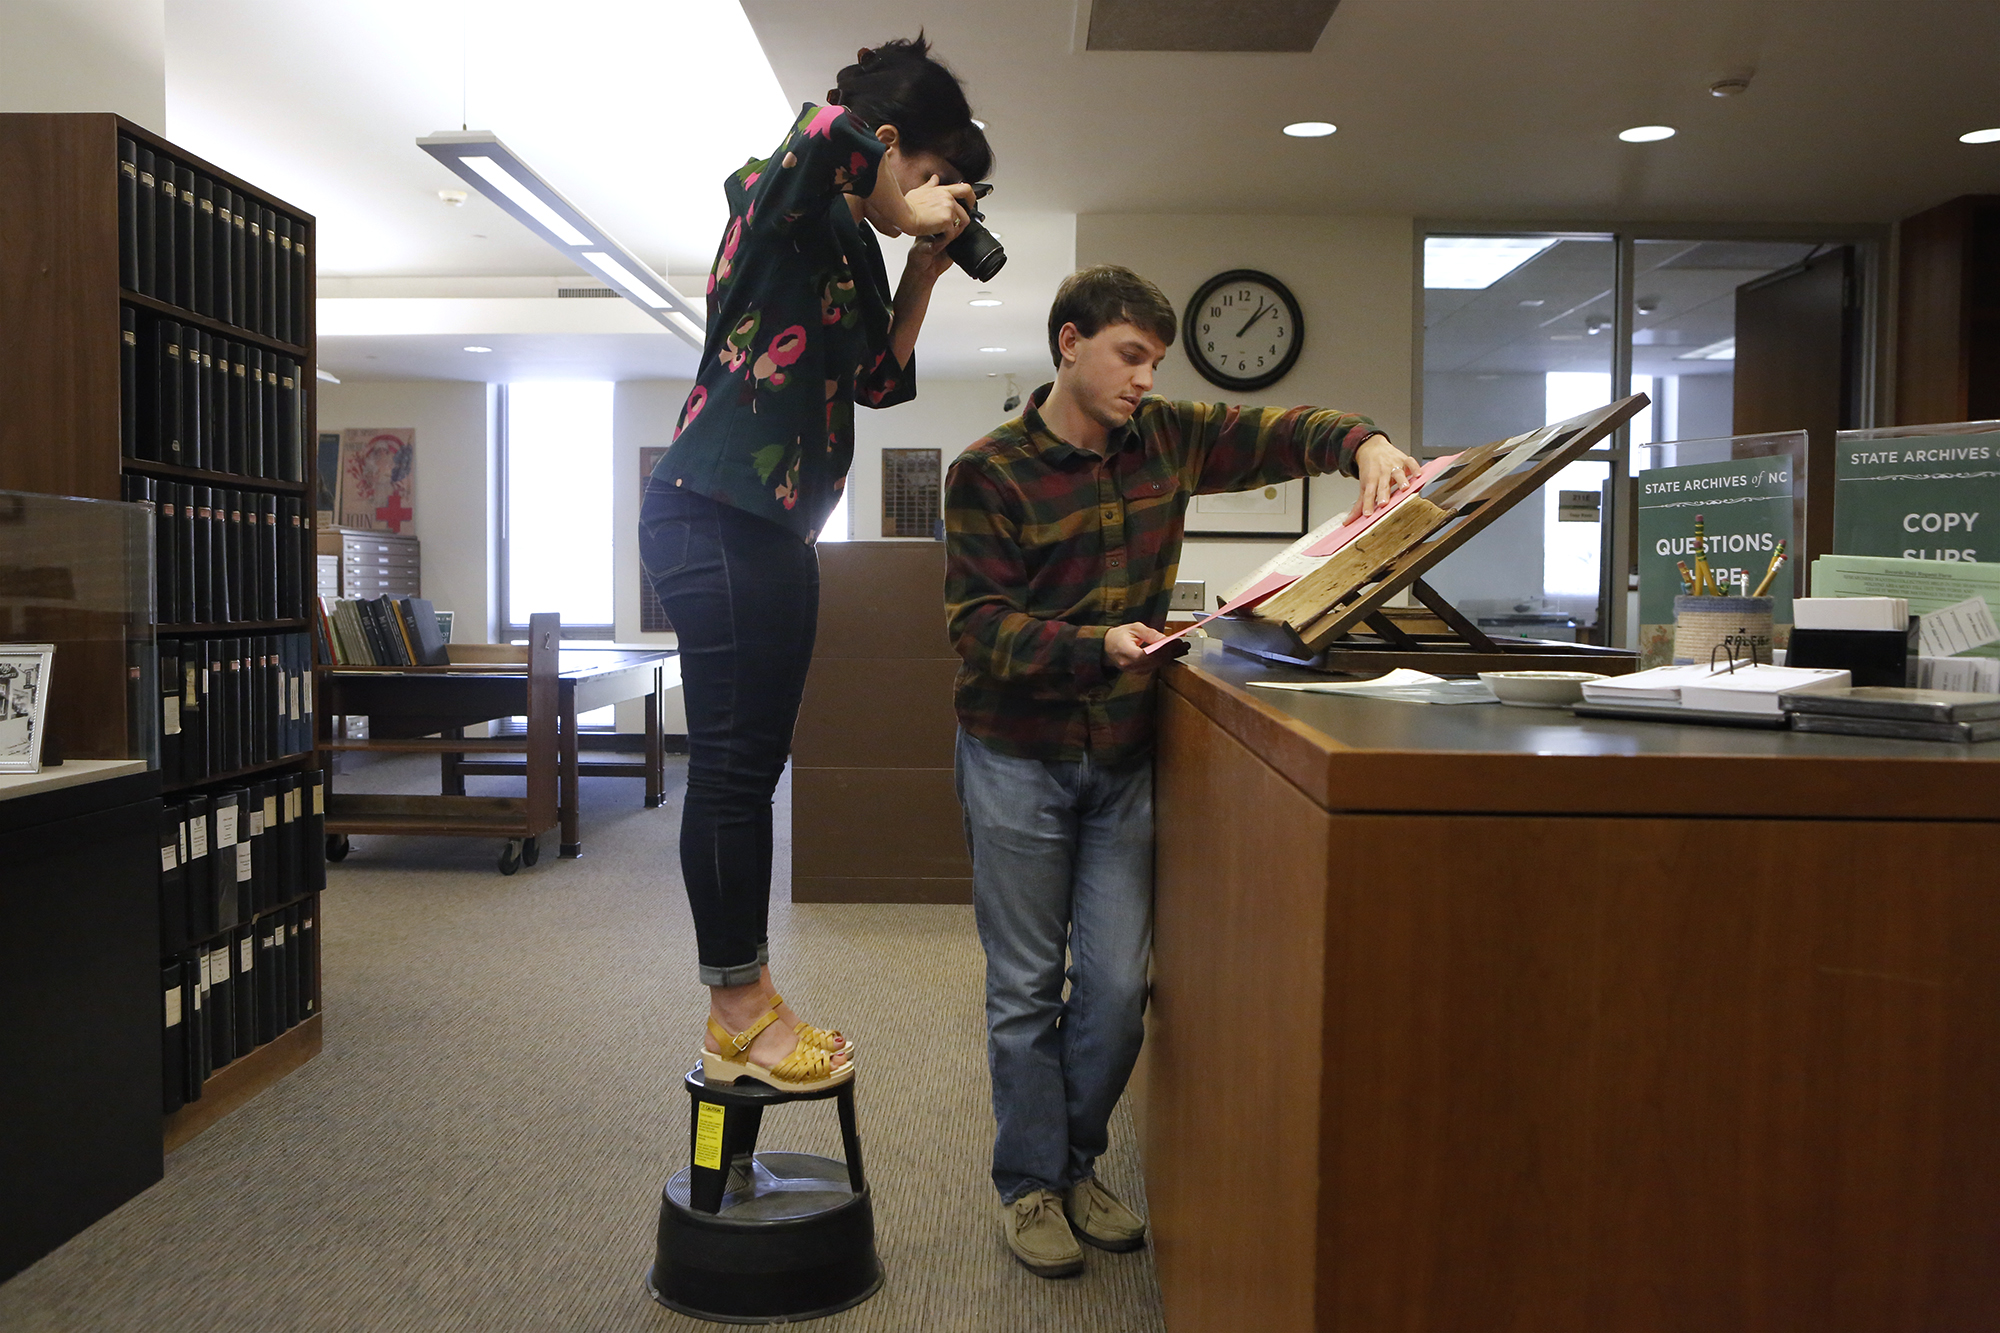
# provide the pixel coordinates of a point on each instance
(1341, 536)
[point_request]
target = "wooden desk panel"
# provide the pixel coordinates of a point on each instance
(1615, 1073)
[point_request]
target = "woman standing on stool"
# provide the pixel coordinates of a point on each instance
(801, 326)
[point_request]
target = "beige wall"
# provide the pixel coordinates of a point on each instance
(451, 487)
(85, 55)
(1353, 277)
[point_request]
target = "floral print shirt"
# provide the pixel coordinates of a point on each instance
(798, 332)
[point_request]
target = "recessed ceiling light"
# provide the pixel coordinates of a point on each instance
(1981, 136)
(1309, 129)
(984, 300)
(992, 349)
(1530, 305)
(455, 198)
(1646, 133)
(479, 349)
(980, 123)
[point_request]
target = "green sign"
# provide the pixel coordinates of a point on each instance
(1746, 510)
(1918, 497)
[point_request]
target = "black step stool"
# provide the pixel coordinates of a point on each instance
(763, 1238)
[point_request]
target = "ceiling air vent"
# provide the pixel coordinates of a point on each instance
(1207, 25)
(585, 291)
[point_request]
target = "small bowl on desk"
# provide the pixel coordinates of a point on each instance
(1538, 689)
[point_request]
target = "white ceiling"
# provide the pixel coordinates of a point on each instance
(1464, 109)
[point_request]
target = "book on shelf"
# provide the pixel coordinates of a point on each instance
(240, 702)
(381, 631)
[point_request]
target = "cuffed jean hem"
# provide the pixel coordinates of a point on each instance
(742, 974)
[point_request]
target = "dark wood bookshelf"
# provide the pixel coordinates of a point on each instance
(225, 628)
(279, 764)
(209, 322)
(236, 481)
(60, 434)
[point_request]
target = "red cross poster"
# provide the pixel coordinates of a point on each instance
(375, 475)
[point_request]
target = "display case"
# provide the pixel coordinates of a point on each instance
(76, 576)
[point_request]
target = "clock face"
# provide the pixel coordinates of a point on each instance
(1243, 330)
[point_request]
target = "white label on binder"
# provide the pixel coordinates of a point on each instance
(172, 995)
(319, 798)
(242, 862)
(197, 838)
(292, 931)
(193, 699)
(207, 969)
(305, 693)
(225, 826)
(257, 821)
(170, 714)
(246, 956)
(169, 858)
(297, 688)
(270, 812)
(184, 842)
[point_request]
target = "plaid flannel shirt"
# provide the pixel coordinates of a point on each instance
(1049, 547)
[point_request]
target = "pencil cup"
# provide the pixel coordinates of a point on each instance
(1740, 626)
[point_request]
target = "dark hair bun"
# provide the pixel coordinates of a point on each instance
(900, 83)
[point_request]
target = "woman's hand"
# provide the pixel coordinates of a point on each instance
(937, 210)
(928, 261)
(1382, 468)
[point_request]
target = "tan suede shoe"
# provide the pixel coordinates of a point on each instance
(1038, 1235)
(1098, 1217)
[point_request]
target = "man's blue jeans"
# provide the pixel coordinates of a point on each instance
(1062, 860)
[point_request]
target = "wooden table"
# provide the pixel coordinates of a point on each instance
(1497, 1020)
(404, 704)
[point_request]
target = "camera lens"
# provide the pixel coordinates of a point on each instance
(978, 251)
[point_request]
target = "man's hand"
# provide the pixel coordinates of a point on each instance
(1125, 647)
(1382, 467)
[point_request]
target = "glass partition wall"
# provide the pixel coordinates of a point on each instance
(1522, 327)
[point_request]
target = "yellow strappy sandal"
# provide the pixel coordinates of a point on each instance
(806, 1069)
(830, 1042)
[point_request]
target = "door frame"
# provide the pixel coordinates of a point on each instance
(1871, 247)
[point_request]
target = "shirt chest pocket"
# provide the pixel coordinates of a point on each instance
(1147, 489)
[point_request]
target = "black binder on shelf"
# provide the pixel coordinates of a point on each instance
(173, 1040)
(166, 228)
(267, 323)
(283, 811)
(164, 395)
(301, 284)
(170, 711)
(189, 430)
(166, 555)
(204, 246)
(289, 954)
(238, 256)
(243, 956)
(184, 220)
(315, 831)
(200, 879)
(222, 275)
(215, 700)
(253, 267)
(183, 552)
(201, 525)
(282, 327)
(202, 1047)
(217, 964)
(309, 957)
(228, 825)
(145, 222)
(128, 381)
(128, 220)
(268, 1010)
(173, 880)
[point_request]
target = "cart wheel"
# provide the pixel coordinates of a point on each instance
(510, 856)
(337, 847)
(531, 851)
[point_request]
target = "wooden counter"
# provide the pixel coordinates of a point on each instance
(1498, 1020)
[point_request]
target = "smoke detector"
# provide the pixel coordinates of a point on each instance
(1731, 86)
(453, 198)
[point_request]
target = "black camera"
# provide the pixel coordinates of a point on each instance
(977, 250)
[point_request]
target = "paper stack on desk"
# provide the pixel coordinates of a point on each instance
(1661, 685)
(1886, 613)
(1759, 689)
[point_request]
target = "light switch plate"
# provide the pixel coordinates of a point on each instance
(1189, 594)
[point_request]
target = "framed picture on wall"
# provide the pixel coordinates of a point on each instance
(24, 687)
(1268, 511)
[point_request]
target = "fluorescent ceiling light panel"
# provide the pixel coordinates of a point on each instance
(522, 195)
(1473, 263)
(1724, 350)
(489, 166)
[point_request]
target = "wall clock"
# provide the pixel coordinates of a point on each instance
(1243, 329)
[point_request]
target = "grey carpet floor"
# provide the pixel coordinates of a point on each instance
(482, 1142)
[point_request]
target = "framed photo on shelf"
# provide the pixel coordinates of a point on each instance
(1268, 511)
(24, 687)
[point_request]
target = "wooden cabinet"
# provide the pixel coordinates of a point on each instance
(1948, 313)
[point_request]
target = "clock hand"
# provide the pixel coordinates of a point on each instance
(1262, 310)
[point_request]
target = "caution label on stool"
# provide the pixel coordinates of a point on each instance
(708, 1136)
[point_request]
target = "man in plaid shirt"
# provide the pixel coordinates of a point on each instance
(1063, 534)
